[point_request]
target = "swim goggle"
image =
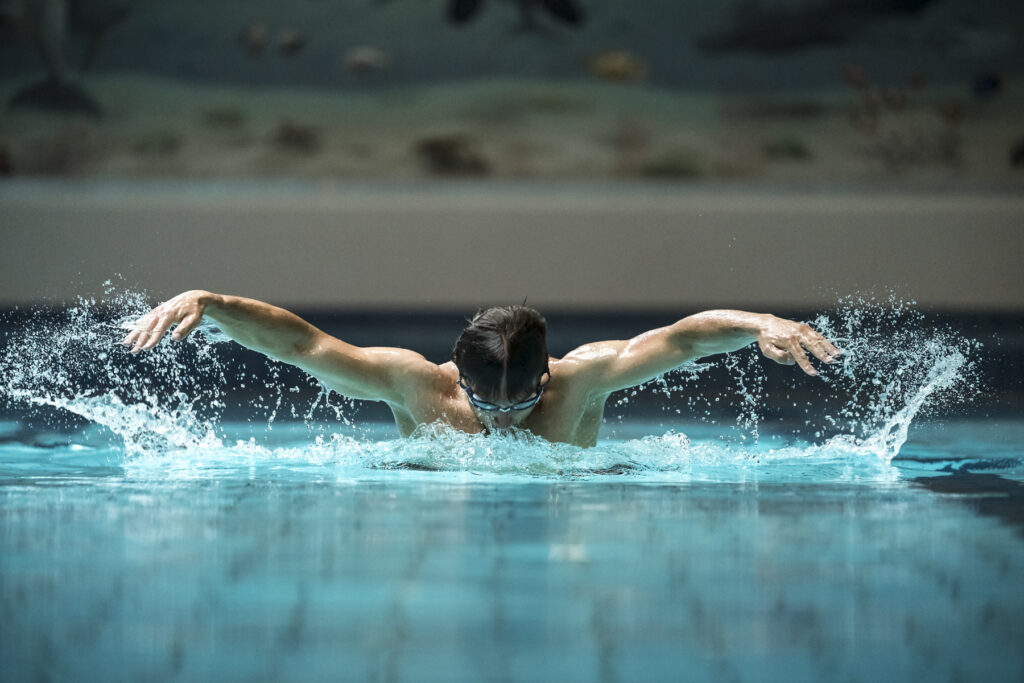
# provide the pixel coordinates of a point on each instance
(478, 402)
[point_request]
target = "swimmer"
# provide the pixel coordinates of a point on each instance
(500, 375)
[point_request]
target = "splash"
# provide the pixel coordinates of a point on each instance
(895, 367)
(143, 428)
(198, 405)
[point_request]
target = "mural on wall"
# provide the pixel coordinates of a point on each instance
(787, 90)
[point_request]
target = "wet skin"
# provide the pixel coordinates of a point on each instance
(420, 392)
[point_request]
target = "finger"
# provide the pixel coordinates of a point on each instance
(142, 325)
(780, 356)
(146, 336)
(825, 350)
(152, 339)
(136, 337)
(797, 351)
(185, 327)
(146, 341)
(820, 348)
(158, 332)
(141, 340)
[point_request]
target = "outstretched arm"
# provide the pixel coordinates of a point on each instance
(613, 365)
(366, 373)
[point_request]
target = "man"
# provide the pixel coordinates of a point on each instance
(500, 374)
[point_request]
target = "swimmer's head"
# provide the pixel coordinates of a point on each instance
(502, 357)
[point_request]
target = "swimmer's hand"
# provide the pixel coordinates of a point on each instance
(787, 342)
(185, 310)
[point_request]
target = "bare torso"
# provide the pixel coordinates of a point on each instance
(565, 413)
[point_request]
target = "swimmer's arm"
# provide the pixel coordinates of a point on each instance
(613, 365)
(363, 373)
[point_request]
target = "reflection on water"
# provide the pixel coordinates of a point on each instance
(459, 580)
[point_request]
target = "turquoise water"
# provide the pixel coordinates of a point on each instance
(147, 532)
(282, 566)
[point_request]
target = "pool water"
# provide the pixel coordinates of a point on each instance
(149, 533)
(279, 567)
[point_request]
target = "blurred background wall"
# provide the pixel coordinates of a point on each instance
(465, 246)
(696, 44)
(448, 154)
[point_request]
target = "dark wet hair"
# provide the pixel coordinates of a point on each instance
(504, 343)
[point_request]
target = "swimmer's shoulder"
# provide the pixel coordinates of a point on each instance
(579, 371)
(401, 366)
(587, 360)
(413, 372)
